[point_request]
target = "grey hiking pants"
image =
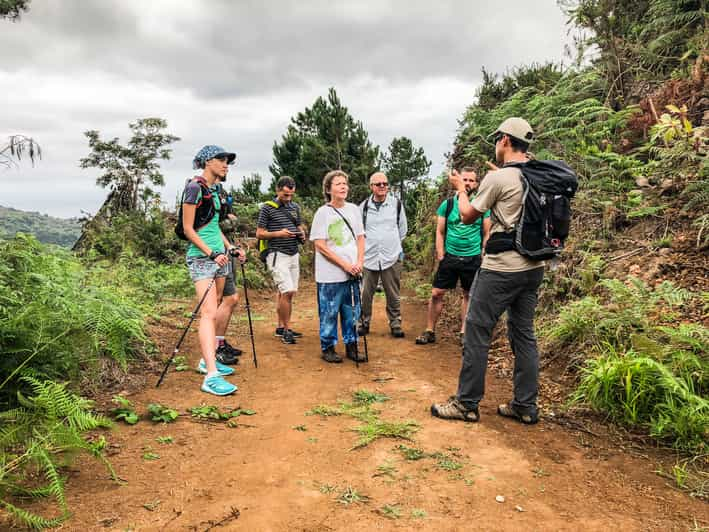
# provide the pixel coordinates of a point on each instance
(491, 294)
(391, 280)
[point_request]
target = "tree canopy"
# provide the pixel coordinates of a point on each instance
(405, 165)
(127, 169)
(325, 137)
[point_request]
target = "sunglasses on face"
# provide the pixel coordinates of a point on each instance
(498, 138)
(383, 184)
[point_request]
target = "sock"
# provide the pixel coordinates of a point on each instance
(220, 340)
(210, 375)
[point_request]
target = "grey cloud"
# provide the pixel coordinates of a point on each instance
(242, 48)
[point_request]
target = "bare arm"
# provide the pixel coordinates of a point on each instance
(440, 237)
(468, 213)
(360, 252)
(262, 234)
(487, 225)
(188, 213)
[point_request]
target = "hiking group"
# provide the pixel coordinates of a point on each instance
(492, 237)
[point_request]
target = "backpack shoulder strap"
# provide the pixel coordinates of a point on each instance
(271, 203)
(449, 209)
(364, 212)
(398, 212)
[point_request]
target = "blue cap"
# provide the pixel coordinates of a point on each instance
(210, 152)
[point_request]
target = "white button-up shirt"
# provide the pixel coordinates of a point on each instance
(383, 237)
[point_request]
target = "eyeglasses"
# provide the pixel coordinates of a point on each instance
(383, 184)
(498, 138)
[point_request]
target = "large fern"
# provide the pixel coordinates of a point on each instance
(41, 435)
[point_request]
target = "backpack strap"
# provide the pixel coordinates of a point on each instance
(364, 213)
(449, 209)
(398, 212)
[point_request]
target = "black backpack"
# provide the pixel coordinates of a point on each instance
(540, 233)
(204, 213)
(366, 206)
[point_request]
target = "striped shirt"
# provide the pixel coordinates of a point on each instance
(275, 219)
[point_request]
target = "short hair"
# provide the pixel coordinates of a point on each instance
(518, 145)
(467, 169)
(285, 181)
(329, 178)
(371, 177)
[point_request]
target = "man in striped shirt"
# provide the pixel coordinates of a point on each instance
(280, 224)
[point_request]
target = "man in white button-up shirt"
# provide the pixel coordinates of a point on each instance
(385, 226)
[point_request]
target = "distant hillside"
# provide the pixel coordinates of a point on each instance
(47, 229)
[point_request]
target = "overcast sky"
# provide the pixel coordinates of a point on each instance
(234, 72)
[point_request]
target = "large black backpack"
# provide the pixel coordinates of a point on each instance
(540, 233)
(204, 213)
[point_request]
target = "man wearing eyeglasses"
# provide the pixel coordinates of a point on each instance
(384, 221)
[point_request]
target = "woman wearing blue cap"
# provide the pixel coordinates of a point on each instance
(207, 257)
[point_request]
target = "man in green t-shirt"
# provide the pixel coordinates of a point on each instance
(458, 248)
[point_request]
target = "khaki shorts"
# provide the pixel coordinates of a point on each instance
(285, 270)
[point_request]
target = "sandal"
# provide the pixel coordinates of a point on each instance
(428, 337)
(507, 410)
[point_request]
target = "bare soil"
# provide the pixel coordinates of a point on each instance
(281, 469)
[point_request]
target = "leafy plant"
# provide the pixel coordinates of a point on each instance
(164, 440)
(39, 436)
(160, 413)
(411, 453)
(391, 511)
(350, 495)
(376, 428)
(124, 410)
(214, 413)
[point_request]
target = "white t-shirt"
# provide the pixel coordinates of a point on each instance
(329, 226)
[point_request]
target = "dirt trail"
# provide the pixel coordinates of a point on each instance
(275, 475)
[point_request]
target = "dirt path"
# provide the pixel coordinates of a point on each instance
(283, 470)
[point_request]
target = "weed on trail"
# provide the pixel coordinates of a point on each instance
(387, 469)
(124, 410)
(350, 495)
(164, 440)
(160, 413)
(391, 511)
(411, 453)
(213, 413)
(361, 408)
(377, 428)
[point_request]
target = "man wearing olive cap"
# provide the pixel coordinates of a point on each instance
(507, 281)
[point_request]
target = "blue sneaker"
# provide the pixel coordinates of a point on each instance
(218, 386)
(221, 368)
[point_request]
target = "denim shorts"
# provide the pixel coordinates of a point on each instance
(205, 268)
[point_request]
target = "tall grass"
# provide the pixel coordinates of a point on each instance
(648, 372)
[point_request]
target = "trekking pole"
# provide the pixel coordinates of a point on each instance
(248, 313)
(184, 333)
(364, 336)
(352, 301)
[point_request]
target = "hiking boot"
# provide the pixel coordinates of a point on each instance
(396, 332)
(507, 410)
(363, 330)
(427, 337)
(454, 409)
(329, 355)
(353, 353)
(225, 357)
(221, 368)
(287, 337)
(218, 386)
(231, 349)
(279, 332)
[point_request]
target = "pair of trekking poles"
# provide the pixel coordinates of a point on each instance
(196, 311)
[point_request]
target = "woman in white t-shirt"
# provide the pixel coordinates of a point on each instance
(338, 235)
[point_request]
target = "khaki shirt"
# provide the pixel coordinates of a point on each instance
(501, 193)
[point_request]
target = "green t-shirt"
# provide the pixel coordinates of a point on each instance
(210, 233)
(462, 240)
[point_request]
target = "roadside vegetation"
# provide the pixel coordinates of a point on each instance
(629, 121)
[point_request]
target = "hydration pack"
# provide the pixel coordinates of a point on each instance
(204, 213)
(543, 226)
